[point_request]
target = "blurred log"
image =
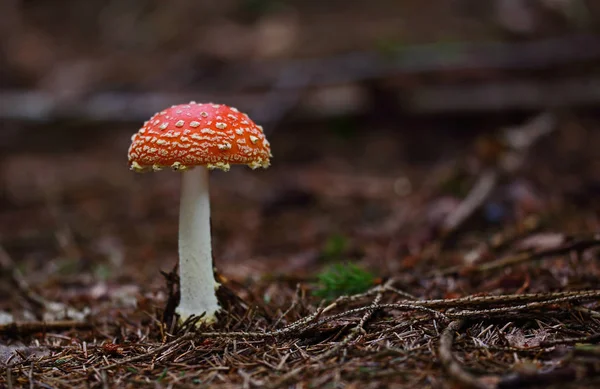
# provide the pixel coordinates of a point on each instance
(505, 96)
(330, 101)
(335, 86)
(115, 107)
(421, 59)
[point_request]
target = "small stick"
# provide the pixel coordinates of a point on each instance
(502, 299)
(451, 365)
(510, 308)
(23, 328)
(476, 197)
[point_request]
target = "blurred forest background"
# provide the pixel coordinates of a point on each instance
(430, 142)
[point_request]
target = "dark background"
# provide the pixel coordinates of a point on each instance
(365, 104)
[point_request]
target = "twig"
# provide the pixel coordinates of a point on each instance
(9, 383)
(403, 307)
(503, 299)
(357, 330)
(23, 328)
(594, 338)
(400, 292)
(522, 307)
(30, 376)
(290, 308)
(522, 137)
(476, 197)
(588, 311)
(449, 362)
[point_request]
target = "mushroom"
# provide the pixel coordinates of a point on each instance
(194, 138)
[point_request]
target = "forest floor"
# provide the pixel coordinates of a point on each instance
(479, 260)
(378, 250)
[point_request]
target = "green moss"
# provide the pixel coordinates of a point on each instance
(343, 279)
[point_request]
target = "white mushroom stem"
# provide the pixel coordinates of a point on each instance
(197, 282)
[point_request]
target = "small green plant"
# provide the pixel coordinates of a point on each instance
(343, 279)
(162, 375)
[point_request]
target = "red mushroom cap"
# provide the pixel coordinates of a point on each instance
(188, 135)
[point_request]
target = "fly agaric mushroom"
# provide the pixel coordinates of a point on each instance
(194, 138)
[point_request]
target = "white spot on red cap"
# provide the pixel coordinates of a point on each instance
(224, 146)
